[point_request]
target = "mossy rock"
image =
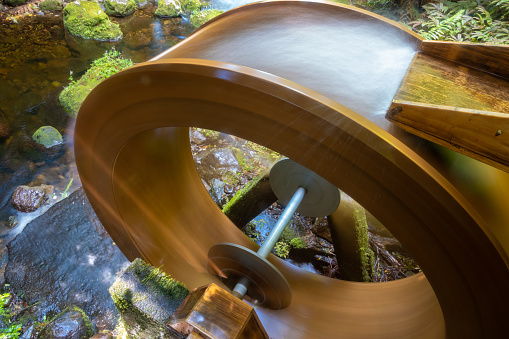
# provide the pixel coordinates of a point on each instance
(191, 6)
(72, 322)
(73, 95)
(47, 136)
(169, 8)
(51, 5)
(15, 3)
(87, 20)
(119, 8)
(199, 18)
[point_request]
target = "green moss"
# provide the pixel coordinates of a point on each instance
(47, 136)
(119, 8)
(169, 8)
(297, 243)
(159, 280)
(88, 324)
(227, 208)
(88, 21)
(367, 257)
(199, 18)
(51, 5)
(191, 6)
(73, 95)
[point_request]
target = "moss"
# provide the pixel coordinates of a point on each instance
(238, 196)
(89, 327)
(199, 18)
(88, 21)
(73, 95)
(367, 257)
(191, 6)
(119, 8)
(158, 280)
(51, 5)
(297, 243)
(169, 8)
(47, 136)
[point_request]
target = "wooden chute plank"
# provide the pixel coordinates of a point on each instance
(489, 58)
(478, 134)
(436, 81)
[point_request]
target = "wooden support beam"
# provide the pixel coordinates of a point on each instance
(210, 312)
(462, 108)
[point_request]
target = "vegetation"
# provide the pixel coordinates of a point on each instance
(465, 21)
(87, 20)
(12, 331)
(75, 93)
(199, 18)
(119, 8)
(169, 8)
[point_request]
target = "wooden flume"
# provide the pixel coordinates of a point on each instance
(312, 81)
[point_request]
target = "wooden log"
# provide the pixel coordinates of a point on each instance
(478, 134)
(210, 312)
(489, 58)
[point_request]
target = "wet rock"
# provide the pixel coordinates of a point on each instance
(146, 299)
(29, 199)
(196, 137)
(101, 336)
(47, 136)
(222, 158)
(71, 323)
(119, 8)
(168, 8)
(136, 40)
(5, 131)
(321, 229)
(64, 257)
(12, 221)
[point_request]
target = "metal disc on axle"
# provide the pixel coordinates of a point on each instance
(322, 198)
(266, 285)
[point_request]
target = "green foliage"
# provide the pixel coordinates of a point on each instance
(73, 95)
(51, 5)
(191, 6)
(282, 249)
(12, 331)
(119, 8)
(87, 20)
(297, 243)
(464, 21)
(252, 229)
(199, 18)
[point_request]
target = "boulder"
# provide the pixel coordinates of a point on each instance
(146, 298)
(201, 17)
(169, 8)
(29, 199)
(87, 20)
(65, 257)
(15, 3)
(5, 131)
(47, 136)
(71, 323)
(119, 8)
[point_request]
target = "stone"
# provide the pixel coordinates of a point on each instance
(65, 257)
(321, 229)
(15, 3)
(71, 323)
(5, 131)
(51, 5)
(101, 336)
(119, 8)
(87, 20)
(199, 18)
(169, 8)
(47, 136)
(191, 6)
(146, 298)
(12, 221)
(196, 137)
(29, 199)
